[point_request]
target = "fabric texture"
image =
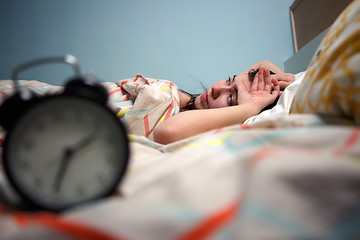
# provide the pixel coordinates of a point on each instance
(332, 83)
(143, 103)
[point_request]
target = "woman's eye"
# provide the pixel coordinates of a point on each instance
(228, 81)
(230, 100)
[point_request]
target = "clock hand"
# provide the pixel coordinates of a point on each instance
(83, 142)
(69, 152)
(63, 167)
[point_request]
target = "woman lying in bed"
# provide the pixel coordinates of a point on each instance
(225, 103)
(157, 110)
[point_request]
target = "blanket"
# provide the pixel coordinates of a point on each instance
(294, 177)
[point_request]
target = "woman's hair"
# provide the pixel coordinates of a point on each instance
(190, 105)
(253, 72)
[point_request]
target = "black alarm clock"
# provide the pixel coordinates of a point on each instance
(65, 149)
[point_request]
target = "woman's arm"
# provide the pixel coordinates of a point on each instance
(267, 64)
(190, 123)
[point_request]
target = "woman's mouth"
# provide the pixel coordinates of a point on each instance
(204, 97)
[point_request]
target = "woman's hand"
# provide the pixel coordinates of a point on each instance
(263, 91)
(284, 79)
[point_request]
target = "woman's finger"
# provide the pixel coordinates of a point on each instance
(261, 81)
(267, 81)
(254, 85)
(284, 79)
(276, 90)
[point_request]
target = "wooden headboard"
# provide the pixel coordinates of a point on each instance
(310, 20)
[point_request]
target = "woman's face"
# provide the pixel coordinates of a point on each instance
(223, 93)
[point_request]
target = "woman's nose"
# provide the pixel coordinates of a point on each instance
(218, 90)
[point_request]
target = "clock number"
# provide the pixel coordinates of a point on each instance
(79, 116)
(38, 182)
(23, 165)
(58, 116)
(28, 144)
(110, 138)
(101, 179)
(80, 191)
(39, 127)
(110, 160)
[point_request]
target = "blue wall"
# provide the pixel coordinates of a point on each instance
(185, 41)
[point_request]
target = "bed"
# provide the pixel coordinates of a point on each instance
(291, 174)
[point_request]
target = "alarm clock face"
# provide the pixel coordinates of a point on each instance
(65, 151)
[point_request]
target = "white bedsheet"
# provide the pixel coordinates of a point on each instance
(283, 105)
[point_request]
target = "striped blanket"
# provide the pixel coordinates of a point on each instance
(294, 177)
